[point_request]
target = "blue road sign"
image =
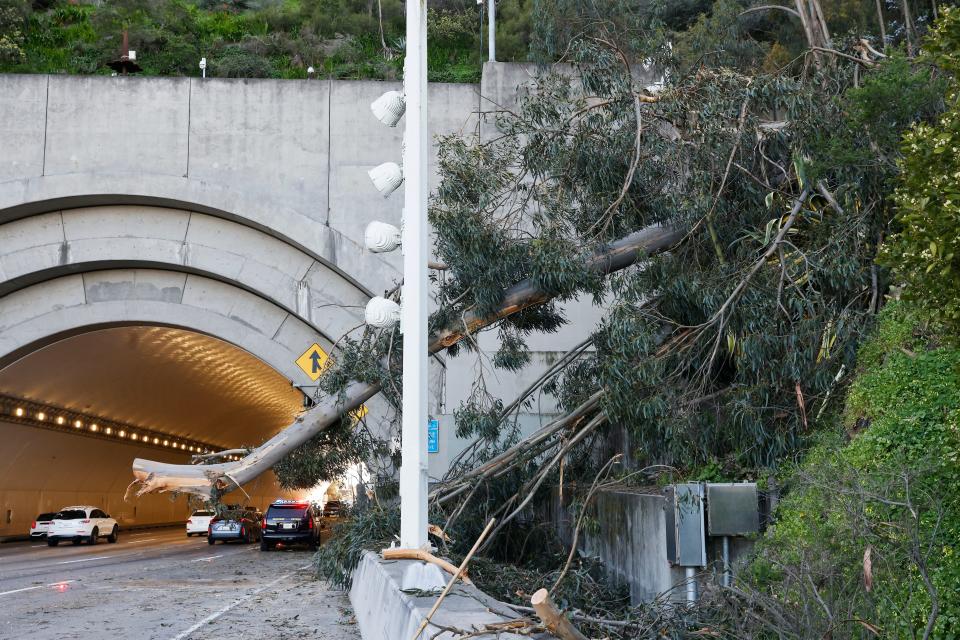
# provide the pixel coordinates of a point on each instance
(433, 436)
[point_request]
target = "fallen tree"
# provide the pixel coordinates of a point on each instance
(211, 481)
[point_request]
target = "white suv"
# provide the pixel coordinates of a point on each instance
(81, 523)
(199, 522)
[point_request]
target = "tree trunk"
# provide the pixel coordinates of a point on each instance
(209, 481)
(552, 618)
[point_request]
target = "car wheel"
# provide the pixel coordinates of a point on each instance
(264, 545)
(189, 534)
(114, 535)
(94, 536)
(210, 540)
(313, 544)
(52, 542)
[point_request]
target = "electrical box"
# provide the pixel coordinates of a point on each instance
(732, 508)
(686, 539)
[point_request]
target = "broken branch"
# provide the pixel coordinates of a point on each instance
(552, 618)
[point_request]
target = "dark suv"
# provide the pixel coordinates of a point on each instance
(290, 522)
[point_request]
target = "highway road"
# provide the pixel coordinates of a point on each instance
(160, 585)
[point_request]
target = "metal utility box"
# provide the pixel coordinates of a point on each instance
(686, 542)
(732, 509)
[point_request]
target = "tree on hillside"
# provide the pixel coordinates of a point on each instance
(728, 221)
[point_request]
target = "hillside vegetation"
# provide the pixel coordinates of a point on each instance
(249, 39)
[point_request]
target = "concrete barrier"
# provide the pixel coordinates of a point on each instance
(391, 598)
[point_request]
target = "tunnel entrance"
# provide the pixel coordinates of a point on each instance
(76, 412)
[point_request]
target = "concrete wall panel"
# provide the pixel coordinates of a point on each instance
(239, 306)
(98, 124)
(268, 138)
(134, 285)
(130, 221)
(30, 244)
(23, 307)
(23, 104)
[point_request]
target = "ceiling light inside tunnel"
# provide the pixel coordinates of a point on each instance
(47, 416)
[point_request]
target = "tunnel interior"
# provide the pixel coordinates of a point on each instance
(75, 412)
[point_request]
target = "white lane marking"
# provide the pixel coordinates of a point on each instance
(85, 559)
(213, 616)
(39, 586)
(37, 546)
(139, 541)
(207, 559)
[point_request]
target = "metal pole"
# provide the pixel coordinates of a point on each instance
(691, 573)
(492, 29)
(413, 315)
(726, 562)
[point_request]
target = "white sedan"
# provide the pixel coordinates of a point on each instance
(199, 522)
(82, 523)
(38, 529)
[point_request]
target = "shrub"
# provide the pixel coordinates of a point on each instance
(869, 534)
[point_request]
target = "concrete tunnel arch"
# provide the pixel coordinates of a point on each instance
(69, 272)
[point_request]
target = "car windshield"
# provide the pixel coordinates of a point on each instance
(203, 513)
(287, 511)
(70, 514)
(46, 516)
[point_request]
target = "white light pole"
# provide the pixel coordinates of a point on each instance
(492, 30)
(413, 317)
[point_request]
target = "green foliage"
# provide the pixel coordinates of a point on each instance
(371, 529)
(925, 250)
(12, 39)
(761, 355)
(262, 39)
(327, 456)
(891, 487)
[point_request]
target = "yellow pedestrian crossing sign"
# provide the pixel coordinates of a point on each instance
(313, 361)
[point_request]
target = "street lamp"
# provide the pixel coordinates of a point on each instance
(381, 237)
(413, 466)
(380, 312)
(386, 177)
(389, 108)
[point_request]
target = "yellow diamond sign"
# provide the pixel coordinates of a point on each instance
(313, 361)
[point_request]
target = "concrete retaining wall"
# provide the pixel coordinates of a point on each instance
(632, 543)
